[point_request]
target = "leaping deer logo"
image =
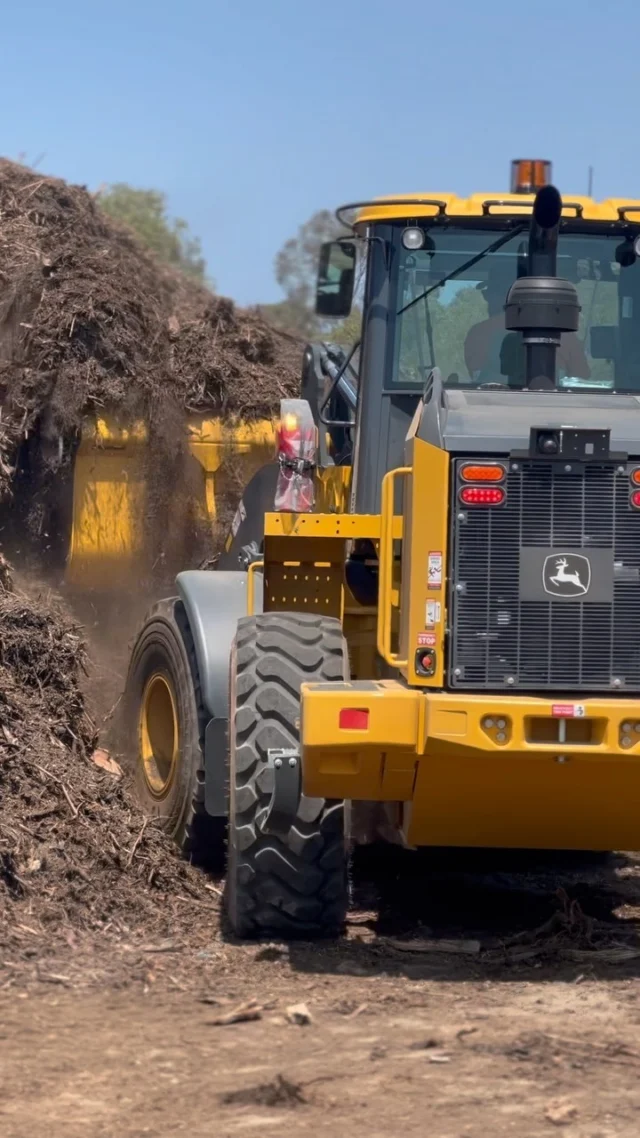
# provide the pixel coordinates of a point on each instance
(566, 575)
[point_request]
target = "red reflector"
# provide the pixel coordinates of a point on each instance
(482, 495)
(485, 473)
(353, 719)
(635, 499)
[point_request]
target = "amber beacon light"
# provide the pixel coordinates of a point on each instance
(528, 175)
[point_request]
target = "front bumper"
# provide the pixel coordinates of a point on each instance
(479, 770)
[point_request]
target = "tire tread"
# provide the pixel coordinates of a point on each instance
(296, 887)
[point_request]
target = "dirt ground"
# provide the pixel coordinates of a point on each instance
(474, 994)
(468, 998)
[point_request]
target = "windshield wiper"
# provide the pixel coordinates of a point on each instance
(493, 248)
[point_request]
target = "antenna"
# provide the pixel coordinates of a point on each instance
(590, 183)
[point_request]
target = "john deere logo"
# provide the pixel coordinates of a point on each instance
(566, 575)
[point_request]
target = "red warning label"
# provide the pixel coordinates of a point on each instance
(568, 710)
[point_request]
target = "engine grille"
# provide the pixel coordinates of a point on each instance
(502, 639)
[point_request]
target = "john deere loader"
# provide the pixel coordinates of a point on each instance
(426, 623)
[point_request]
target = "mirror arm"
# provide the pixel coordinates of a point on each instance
(350, 397)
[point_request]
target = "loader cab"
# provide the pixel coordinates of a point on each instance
(438, 271)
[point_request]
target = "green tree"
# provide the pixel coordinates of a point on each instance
(296, 264)
(145, 212)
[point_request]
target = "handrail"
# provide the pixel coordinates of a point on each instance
(252, 569)
(385, 567)
(623, 210)
(509, 203)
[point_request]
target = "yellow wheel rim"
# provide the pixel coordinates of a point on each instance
(159, 742)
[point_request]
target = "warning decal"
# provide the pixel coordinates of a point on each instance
(568, 710)
(434, 570)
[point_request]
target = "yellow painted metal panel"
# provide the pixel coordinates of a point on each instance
(424, 559)
(110, 493)
(466, 714)
(333, 487)
(376, 764)
(348, 775)
(108, 512)
(343, 526)
(394, 716)
(470, 789)
(474, 206)
(526, 801)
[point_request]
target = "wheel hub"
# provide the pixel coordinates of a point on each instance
(159, 743)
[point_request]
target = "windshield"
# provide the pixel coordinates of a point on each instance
(459, 326)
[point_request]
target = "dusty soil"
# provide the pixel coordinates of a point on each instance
(472, 994)
(402, 1040)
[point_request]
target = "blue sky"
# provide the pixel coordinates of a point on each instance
(252, 115)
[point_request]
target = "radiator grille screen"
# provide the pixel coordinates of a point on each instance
(556, 531)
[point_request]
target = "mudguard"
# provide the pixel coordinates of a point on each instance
(214, 601)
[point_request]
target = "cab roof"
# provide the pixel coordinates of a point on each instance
(412, 206)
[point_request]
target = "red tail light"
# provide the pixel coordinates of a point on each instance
(482, 495)
(635, 499)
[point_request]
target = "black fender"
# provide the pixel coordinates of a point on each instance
(214, 601)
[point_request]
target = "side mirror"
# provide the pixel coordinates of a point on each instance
(603, 342)
(336, 277)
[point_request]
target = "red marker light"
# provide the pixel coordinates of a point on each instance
(482, 495)
(353, 719)
(635, 499)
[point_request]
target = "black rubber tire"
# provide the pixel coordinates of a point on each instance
(164, 644)
(298, 886)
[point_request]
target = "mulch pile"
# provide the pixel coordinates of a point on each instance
(83, 876)
(89, 321)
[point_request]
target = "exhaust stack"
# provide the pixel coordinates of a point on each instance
(541, 306)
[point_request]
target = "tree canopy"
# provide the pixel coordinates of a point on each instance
(145, 211)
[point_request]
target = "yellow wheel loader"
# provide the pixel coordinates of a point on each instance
(426, 623)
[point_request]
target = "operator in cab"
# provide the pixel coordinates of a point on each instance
(485, 348)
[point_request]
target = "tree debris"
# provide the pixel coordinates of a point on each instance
(462, 947)
(104, 760)
(279, 1092)
(299, 1014)
(244, 1013)
(560, 1112)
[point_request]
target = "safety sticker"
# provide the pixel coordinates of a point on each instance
(434, 570)
(568, 710)
(432, 615)
(426, 640)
